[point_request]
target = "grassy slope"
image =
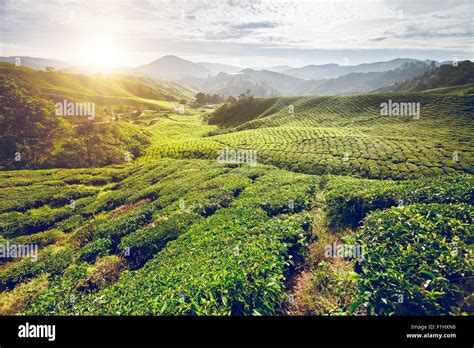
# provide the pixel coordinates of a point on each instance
(315, 138)
(224, 218)
(184, 210)
(102, 89)
(183, 219)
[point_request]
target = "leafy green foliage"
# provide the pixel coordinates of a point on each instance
(143, 244)
(96, 248)
(416, 259)
(52, 261)
(28, 124)
(224, 245)
(444, 76)
(349, 200)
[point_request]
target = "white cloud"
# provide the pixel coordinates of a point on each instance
(145, 30)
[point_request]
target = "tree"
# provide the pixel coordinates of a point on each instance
(204, 98)
(231, 100)
(201, 98)
(29, 126)
(246, 95)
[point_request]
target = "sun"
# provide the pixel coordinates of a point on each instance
(101, 54)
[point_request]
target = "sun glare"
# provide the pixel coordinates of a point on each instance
(101, 54)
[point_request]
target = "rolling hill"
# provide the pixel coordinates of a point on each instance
(342, 135)
(443, 76)
(36, 63)
(176, 232)
(331, 71)
(100, 88)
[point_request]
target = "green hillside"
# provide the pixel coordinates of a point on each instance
(195, 237)
(446, 75)
(342, 135)
(174, 230)
(194, 210)
(99, 88)
(35, 137)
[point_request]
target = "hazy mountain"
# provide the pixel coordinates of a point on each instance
(172, 68)
(277, 68)
(327, 71)
(234, 84)
(365, 82)
(269, 83)
(443, 76)
(231, 80)
(216, 68)
(284, 84)
(36, 63)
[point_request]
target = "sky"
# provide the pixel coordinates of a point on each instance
(113, 33)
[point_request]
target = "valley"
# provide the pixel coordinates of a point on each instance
(176, 228)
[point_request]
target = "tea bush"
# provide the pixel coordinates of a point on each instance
(416, 259)
(96, 248)
(143, 244)
(52, 261)
(185, 259)
(348, 200)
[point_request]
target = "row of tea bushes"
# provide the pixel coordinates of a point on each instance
(53, 260)
(416, 260)
(234, 260)
(22, 198)
(349, 200)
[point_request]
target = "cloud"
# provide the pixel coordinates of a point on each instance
(379, 39)
(256, 25)
(279, 32)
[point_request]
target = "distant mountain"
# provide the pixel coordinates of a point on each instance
(231, 80)
(444, 76)
(264, 83)
(216, 68)
(284, 84)
(234, 85)
(36, 63)
(172, 68)
(277, 68)
(365, 82)
(328, 71)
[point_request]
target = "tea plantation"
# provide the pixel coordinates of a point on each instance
(176, 232)
(344, 136)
